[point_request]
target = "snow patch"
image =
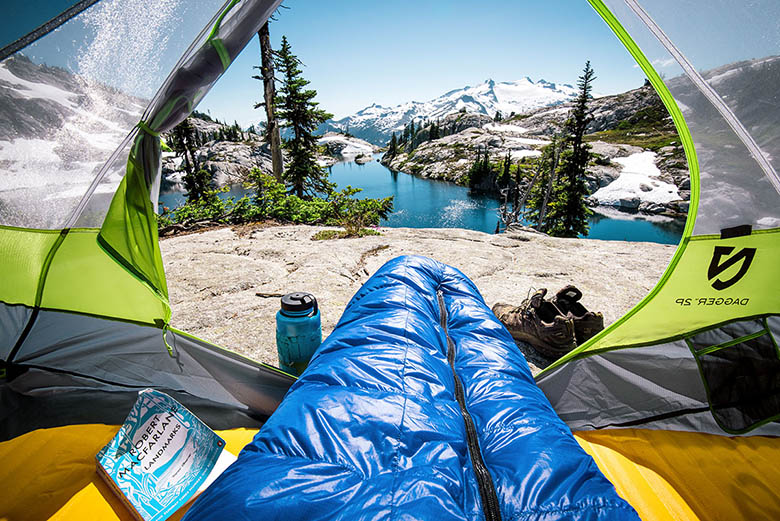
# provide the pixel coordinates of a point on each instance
(497, 127)
(29, 150)
(519, 154)
(526, 141)
(638, 181)
(32, 90)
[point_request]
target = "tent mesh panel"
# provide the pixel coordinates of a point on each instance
(742, 374)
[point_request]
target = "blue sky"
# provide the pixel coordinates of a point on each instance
(359, 52)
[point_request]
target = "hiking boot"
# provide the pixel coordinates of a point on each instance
(539, 323)
(586, 323)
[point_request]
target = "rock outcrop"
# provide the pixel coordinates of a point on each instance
(225, 284)
(231, 161)
(450, 157)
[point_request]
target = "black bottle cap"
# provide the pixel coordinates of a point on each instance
(299, 301)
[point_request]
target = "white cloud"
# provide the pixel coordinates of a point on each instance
(663, 63)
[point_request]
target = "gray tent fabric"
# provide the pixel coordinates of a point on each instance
(82, 354)
(12, 321)
(72, 367)
(40, 399)
(656, 387)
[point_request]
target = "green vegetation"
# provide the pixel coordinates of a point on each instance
(324, 235)
(198, 183)
(392, 147)
(481, 171)
(649, 128)
(296, 107)
(557, 201)
(301, 194)
(270, 200)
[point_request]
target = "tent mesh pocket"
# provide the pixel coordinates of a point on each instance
(740, 365)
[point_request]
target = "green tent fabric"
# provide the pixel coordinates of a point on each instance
(85, 314)
(700, 351)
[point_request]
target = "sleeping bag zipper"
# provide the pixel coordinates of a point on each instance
(487, 490)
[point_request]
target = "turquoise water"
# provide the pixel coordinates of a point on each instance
(426, 203)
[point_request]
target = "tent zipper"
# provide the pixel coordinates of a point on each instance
(487, 490)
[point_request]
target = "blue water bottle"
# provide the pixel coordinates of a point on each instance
(298, 331)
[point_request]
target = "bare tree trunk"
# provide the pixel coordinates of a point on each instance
(272, 128)
(553, 176)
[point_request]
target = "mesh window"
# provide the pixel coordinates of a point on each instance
(741, 373)
(736, 50)
(68, 100)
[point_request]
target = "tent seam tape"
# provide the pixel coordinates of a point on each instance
(46, 28)
(711, 94)
(731, 343)
(121, 261)
(693, 169)
(74, 216)
(44, 273)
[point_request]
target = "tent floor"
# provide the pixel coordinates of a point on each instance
(50, 473)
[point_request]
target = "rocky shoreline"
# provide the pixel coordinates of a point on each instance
(224, 283)
(231, 161)
(652, 181)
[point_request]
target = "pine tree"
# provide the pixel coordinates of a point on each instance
(574, 163)
(505, 178)
(433, 133)
(297, 108)
(392, 148)
(198, 183)
(480, 170)
(557, 201)
(539, 196)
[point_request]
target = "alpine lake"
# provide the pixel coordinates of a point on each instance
(427, 203)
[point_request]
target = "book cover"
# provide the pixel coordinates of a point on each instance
(161, 457)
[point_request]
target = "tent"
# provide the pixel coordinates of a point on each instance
(678, 401)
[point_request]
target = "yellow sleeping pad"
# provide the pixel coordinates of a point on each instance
(50, 474)
(665, 475)
(690, 476)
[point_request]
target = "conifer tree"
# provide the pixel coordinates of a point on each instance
(557, 201)
(434, 132)
(540, 192)
(297, 108)
(480, 170)
(573, 189)
(392, 148)
(505, 178)
(198, 183)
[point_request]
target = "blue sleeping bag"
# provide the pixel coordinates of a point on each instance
(418, 406)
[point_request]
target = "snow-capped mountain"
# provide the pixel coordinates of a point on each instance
(376, 123)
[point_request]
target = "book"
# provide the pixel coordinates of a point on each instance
(161, 458)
